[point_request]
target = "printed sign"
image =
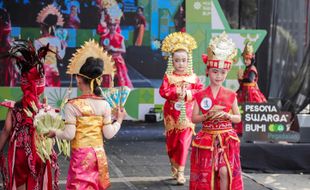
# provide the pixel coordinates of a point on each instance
(265, 122)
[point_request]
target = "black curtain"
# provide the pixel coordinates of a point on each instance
(282, 60)
(285, 52)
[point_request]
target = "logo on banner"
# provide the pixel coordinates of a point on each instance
(206, 103)
(266, 122)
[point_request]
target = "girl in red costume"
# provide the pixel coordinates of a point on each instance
(178, 88)
(25, 168)
(248, 90)
(113, 42)
(215, 157)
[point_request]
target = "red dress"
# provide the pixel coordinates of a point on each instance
(116, 40)
(24, 165)
(178, 134)
(215, 146)
(249, 92)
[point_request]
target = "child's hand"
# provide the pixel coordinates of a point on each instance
(240, 74)
(121, 113)
(50, 134)
(227, 116)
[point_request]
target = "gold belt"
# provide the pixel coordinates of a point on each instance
(216, 132)
(249, 84)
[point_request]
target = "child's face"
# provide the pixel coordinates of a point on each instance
(217, 76)
(247, 61)
(179, 60)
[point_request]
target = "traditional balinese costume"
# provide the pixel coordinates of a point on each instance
(57, 49)
(249, 90)
(178, 111)
(216, 145)
(116, 40)
(24, 164)
(87, 120)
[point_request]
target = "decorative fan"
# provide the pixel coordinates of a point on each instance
(117, 96)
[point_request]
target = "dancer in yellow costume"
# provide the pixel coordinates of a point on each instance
(88, 120)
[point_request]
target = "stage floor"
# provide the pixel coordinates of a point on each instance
(275, 157)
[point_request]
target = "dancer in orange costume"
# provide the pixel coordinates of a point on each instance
(88, 120)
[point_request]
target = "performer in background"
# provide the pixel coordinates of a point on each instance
(88, 120)
(140, 24)
(114, 43)
(26, 170)
(215, 157)
(178, 88)
(248, 90)
(179, 18)
(48, 18)
(7, 69)
(73, 20)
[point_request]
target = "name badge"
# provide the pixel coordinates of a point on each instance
(177, 106)
(206, 103)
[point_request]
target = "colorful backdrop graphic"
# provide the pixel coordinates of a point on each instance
(204, 18)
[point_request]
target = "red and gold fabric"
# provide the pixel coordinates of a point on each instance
(249, 91)
(116, 41)
(88, 164)
(178, 133)
(215, 146)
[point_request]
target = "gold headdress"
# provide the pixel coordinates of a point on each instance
(179, 41)
(50, 9)
(106, 3)
(115, 13)
(91, 49)
(248, 51)
(221, 52)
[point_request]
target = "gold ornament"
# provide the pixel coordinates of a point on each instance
(50, 9)
(91, 49)
(178, 41)
(115, 13)
(248, 51)
(221, 52)
(105, 4)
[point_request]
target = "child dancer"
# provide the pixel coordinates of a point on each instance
(48, 18)
(178, 88)
(248, 90)
(88, 121)
(215, 159)
(26, 170)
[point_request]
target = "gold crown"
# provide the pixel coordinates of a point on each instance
(106, 3)
(115, 13)
(50, 9)
(248, 50)
(90, 49)
(221, 52)
(177, 41)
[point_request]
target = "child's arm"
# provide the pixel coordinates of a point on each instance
(6, 130)
(168, 91)
(196, 117)
(235, 116)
